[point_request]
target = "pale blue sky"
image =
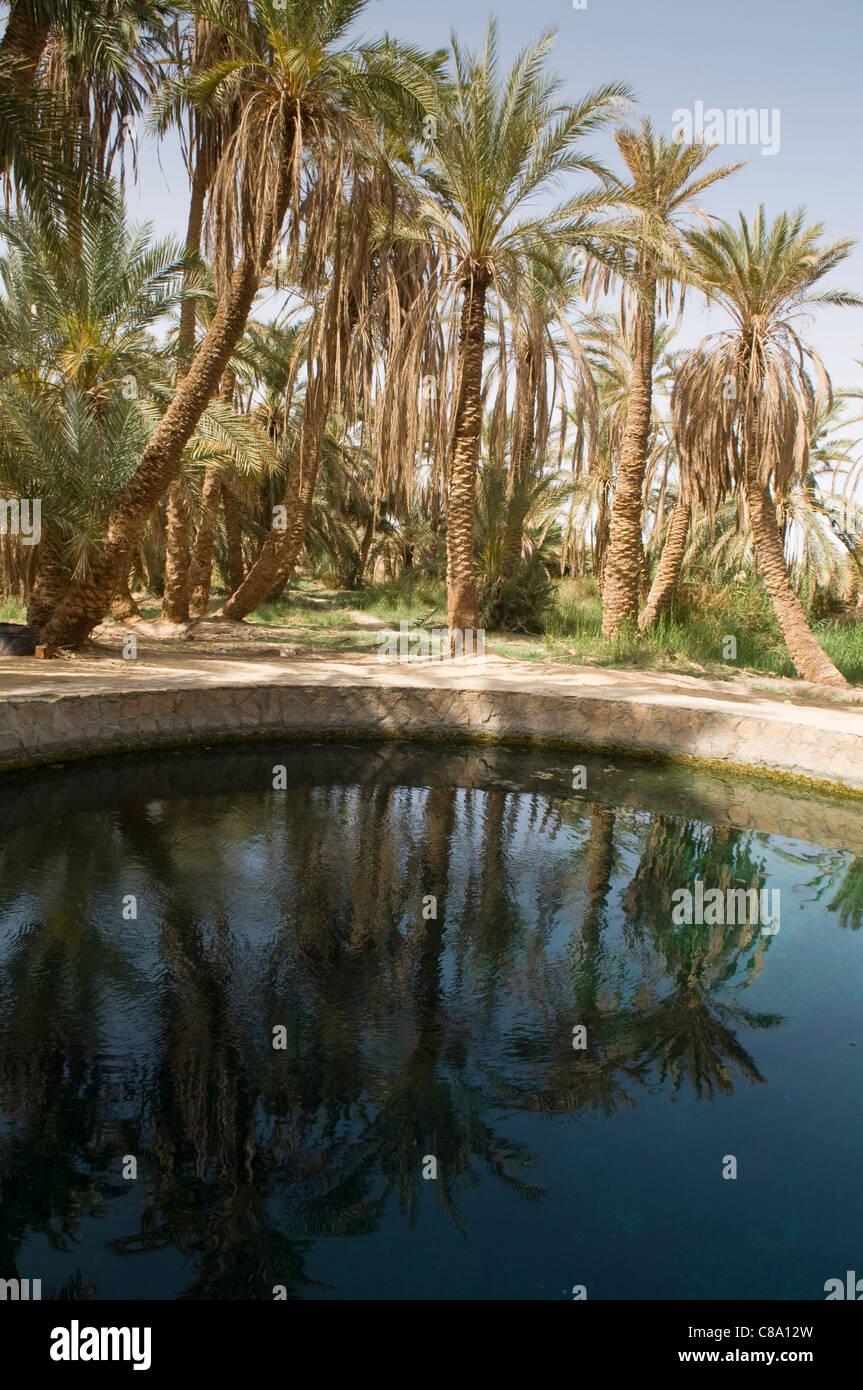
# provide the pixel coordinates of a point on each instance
(799, 57)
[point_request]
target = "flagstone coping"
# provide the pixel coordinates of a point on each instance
(57, 711)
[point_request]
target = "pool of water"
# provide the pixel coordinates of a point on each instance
(420, 1023)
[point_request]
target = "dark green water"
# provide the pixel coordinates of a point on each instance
(408, 1038)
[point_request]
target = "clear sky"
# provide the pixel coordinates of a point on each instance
(798, 57)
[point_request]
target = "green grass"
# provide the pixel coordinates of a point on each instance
(11, 611)
(693, 640)
(409, 598)
(297, 612)
(320, 619)
(843, 644)
(696, 631)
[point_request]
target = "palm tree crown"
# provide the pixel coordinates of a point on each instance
(501, 142)
(744, 399)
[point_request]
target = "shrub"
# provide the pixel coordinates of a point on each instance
(516, 603)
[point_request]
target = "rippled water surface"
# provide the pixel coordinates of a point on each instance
(305, 916)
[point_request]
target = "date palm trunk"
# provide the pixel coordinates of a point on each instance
(670, 564)
(281, 550)
(201, 568)
(811, 661)
(600, 538)
(365, 547)
(23, 42)
(625, 559)
(462, 601)
(87, 599)
(233, 540)
(188, 309)
(52, 580)
(123, 606)
(175, 600)
(518, 493)
(178, 586)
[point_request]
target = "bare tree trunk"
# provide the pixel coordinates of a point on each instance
(623, 567)
(87, 599)
(52, 581)
(23, 42)
(520, 469)
(281, 550)
(123, 606)
(670, 564)
(233, 539)
(201, 568)
(462, 600)
(811, 661)
(175, 601)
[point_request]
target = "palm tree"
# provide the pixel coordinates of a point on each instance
(642, 250)
(824, 525)
(83, 381)
(80, 369)
(102, 62)
(516, 599)
(205, 133)
(501, 142)
(357, 321)
(70, 72)
(26, 125)
(99, 65)
(538, 352)
(610, 343)
(744, 398)
(304, 101)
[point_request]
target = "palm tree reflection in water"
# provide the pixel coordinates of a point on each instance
(408, 1035)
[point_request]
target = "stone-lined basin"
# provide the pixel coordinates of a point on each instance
(70, 710)
(423, 1021)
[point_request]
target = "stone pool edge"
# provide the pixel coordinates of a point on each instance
(48, 728)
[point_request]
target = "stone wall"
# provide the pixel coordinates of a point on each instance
(48, 728)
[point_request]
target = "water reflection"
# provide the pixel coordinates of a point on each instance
(407, 1034)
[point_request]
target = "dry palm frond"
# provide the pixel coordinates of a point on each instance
(745, 397)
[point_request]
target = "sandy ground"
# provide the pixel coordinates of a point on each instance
(217, 653)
